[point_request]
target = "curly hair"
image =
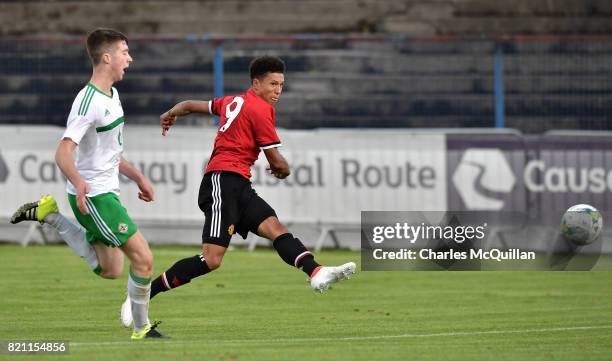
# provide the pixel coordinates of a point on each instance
(266, 64)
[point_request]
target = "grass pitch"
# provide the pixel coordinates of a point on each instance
(255, 307)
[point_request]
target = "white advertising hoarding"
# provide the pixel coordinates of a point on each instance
(335, 173)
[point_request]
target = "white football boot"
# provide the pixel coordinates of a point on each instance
(126, 313)
(325, 276)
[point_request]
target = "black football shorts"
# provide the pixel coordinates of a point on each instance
(230, 205)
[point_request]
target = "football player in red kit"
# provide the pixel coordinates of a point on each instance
(229, 202)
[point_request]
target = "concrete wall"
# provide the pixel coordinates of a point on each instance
(234, 17)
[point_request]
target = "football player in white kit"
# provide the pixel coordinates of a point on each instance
(95, 130)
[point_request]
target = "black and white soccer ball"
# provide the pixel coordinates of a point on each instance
(581, 224)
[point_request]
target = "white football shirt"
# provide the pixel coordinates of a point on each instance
(95, 123)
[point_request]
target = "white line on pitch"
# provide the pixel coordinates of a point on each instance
(352, 338)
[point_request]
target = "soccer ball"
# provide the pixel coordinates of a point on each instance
(581, 224)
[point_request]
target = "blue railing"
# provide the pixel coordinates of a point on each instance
(499, 89)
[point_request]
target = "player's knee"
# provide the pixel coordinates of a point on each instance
(147, 263)
(271, 228)
(144, 263)
(111, 267)
(214, 262)
(111, 273)
(279, 229)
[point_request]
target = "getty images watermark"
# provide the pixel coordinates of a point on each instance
(458, 234)
(466, 241)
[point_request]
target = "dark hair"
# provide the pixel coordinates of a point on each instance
(98, 41)
(266, 64)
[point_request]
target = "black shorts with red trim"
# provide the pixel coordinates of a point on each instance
(230, 205)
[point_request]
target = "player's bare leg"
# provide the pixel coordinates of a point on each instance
(110, 259)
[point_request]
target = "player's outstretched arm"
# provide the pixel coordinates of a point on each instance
(168, 119)
(278, 165)
(65, 162)
(146, 190)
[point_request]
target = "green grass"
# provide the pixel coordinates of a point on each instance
(255, 307)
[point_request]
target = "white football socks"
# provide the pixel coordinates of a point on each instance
(139, 289)
(74, 236)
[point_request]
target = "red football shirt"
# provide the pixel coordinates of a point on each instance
(246, 126)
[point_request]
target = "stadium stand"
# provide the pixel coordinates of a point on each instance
(393, 82)
(416, 63)
(238, 17)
